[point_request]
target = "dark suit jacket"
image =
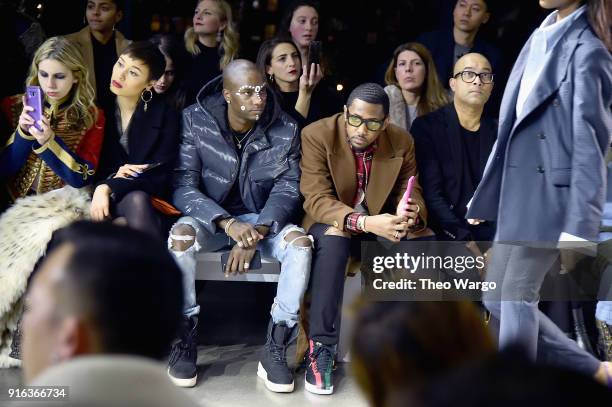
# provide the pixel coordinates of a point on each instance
(441, 44)
(440, 158)
(153, 138)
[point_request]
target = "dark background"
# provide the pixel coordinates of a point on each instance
(359, 35)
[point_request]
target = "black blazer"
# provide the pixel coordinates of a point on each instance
(153, 138)
(440, 155)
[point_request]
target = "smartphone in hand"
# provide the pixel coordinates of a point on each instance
(314, 54)
(408, 193)
(151, 166)
(254, 265)
(33, 98)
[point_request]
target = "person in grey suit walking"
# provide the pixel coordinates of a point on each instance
(545, 179)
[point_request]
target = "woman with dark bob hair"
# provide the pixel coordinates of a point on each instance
(140, 144)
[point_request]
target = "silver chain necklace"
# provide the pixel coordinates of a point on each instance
(240, 140)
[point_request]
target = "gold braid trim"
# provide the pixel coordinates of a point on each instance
(71, 135)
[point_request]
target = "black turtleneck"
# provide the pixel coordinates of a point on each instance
(204, 67)
(105, 57)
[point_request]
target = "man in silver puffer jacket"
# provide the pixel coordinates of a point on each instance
(237, 185)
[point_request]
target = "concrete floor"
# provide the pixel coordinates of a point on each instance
(227, 378)
(234, 313)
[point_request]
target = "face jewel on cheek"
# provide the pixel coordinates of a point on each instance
(243, 108)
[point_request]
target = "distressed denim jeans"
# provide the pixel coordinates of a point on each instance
(295, 266)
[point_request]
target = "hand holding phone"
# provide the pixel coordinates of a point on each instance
(151, 166)
(405, 201)
(32, 109)
(254, 264)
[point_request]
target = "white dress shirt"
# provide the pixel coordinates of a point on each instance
(542, 43)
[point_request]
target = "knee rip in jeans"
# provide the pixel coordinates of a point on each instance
(182, 239)
(296, 237)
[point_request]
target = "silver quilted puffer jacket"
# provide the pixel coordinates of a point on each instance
(208, 164)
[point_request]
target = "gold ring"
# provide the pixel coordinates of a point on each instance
(249, 239)
(246, 265)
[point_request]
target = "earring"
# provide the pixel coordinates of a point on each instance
(271, 76)
(148, 99)
(219, 36)
(229, 101)
(84, 20)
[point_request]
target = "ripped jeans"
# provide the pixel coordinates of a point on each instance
(295, 266)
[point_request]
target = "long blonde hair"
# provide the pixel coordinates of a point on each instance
(433, 95)
(229, 43)
(82, 108)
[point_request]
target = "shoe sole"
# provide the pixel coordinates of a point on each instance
(189, 382)
(317, 390)
(275, 387)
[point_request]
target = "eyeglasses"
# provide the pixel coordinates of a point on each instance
(371, 124)
(248, 91)
(470, 76)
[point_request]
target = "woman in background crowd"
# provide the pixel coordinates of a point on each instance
(100, 45)
(39, 159)
(212, 42)
(140, 144)
(280, 63)
(171, 83)
(413, 85)
(301, 24)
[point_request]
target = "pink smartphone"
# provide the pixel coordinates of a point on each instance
(33, 99)
(409, 187)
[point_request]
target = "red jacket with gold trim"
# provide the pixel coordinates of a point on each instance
(70, 157)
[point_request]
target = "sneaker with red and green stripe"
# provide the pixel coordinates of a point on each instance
(319, 376)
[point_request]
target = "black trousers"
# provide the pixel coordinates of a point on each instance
(326, 284)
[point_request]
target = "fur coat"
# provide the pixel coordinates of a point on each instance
(397, 106)
(25, 229)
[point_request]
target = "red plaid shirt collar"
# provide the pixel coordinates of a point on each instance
(363, 166)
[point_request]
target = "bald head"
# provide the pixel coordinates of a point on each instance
(470, 61)
(244, 90)
(472, 80)
(235, 72)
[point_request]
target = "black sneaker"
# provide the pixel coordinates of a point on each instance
(319, 372)
(182, 367)
(272, 366)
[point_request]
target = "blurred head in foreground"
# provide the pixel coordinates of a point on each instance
(400, 345)
(102, 289)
